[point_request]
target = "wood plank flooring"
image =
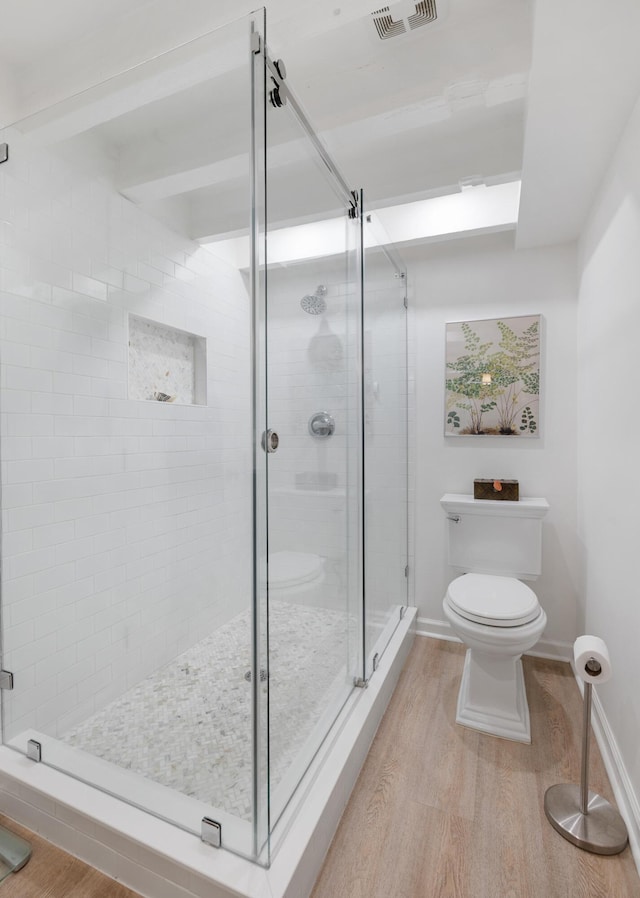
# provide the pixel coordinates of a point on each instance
(52, 873)
(440, 811)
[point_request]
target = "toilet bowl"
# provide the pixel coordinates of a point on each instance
(292, 575)
(490, 609)
(498, 618)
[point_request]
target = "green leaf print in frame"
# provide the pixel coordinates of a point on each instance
(493, 377)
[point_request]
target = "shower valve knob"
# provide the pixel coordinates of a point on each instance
(270, 441)
(321, 425)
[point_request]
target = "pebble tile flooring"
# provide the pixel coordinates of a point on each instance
(188, 726)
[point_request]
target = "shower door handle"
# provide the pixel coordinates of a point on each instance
(270, 441)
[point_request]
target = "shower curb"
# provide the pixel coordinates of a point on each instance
(159, 860)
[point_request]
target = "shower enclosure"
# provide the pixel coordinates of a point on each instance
(203, 439)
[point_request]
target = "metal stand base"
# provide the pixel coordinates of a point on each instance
(582, 817)
(14, 852)
(601, 830)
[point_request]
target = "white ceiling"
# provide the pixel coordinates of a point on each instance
(584, 82)
(492, 89)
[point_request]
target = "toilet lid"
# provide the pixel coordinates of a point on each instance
(290, 569)
(495, 601)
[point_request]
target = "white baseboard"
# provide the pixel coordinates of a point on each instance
(623, 791)
(544, 648)
(436, 629)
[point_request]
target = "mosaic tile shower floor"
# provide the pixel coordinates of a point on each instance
(188, 726)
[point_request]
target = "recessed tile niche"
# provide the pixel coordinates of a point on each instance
(166, 364)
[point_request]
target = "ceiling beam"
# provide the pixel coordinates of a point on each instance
(149, 82)
(354, 140)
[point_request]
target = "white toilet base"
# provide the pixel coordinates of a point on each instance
(492, 696)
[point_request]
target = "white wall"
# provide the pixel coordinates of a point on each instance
(486, 278)
(126, 523)
(609, 437)
(8, 102)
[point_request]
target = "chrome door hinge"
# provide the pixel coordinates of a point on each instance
(256, 42)
(354, 210)
(360, 683)
(278, 94)
(211, 832)
(6, 679)
(34, 750)
(4, 152)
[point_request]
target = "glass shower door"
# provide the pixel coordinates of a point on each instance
(311, 321)
(384, 317)
(126, 437)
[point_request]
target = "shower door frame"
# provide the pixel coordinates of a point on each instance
(269, 86)
(375, 236)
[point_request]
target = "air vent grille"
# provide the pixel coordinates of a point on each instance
(385, 26)
(391, 22)
(425, 12)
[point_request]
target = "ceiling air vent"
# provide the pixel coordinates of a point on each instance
(391, 21)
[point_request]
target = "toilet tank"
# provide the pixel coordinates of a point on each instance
(489, 536)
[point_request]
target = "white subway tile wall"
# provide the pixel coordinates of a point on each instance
(126, 524)
(314, 366)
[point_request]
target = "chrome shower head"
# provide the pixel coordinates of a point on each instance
(314, 303)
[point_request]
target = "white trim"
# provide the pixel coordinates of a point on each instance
(157, 859)
(554, 650)
(435, 629)
(617, 772)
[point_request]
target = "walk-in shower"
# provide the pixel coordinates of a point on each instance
(195, 585)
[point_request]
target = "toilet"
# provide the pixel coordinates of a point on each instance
(497, 544)
(293, 576)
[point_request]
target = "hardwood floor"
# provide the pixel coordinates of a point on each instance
(52, 873)
(440, 811)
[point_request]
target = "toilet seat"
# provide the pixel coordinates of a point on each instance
(493, 601)
(290, 570)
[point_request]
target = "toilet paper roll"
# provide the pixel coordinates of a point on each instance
(591, 658)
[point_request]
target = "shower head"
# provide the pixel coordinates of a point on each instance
(314, 303)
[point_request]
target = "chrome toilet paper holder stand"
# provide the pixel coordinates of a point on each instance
(585, 818)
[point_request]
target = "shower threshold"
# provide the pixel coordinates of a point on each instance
(158, 859)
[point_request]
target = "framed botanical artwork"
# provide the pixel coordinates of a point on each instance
(492, 377)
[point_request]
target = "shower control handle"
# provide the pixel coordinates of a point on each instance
(270, 441)
(321, 425)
